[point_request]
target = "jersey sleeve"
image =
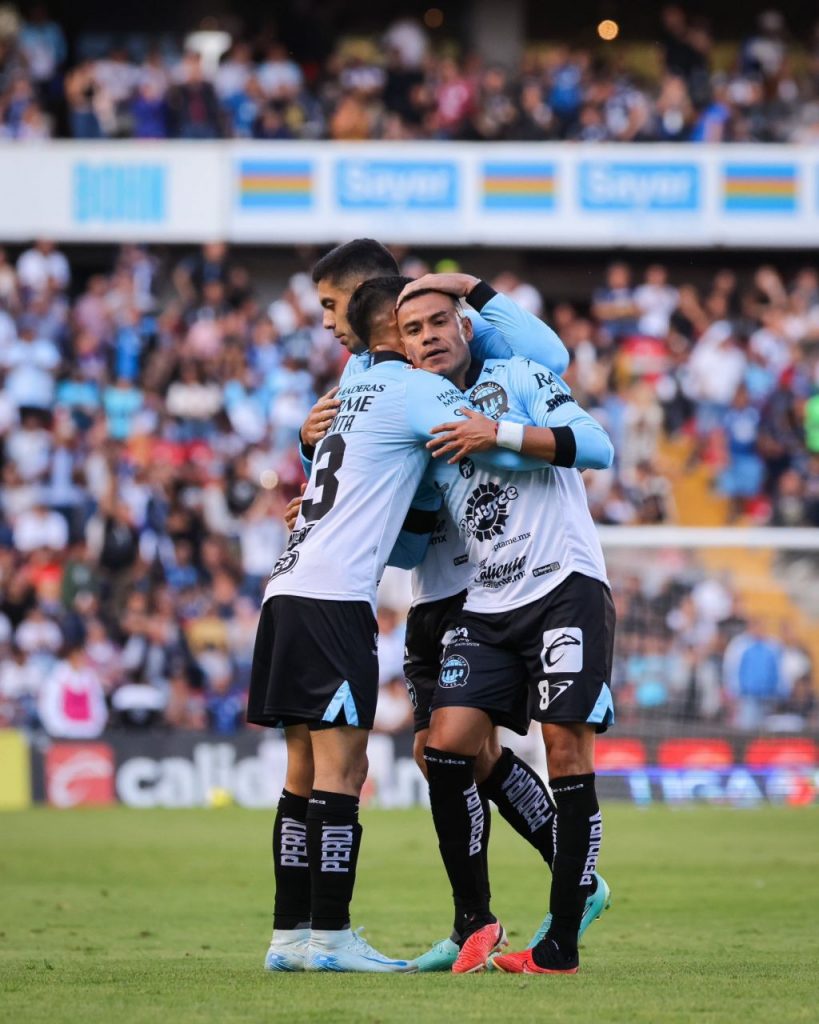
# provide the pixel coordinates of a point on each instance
(430, 401)
(502, 328)
(306, 458)
(413, 540)
(433, 400)
(549, 403)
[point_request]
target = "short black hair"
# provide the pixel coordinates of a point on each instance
(432, 291)
(362, 256)
(370, 298)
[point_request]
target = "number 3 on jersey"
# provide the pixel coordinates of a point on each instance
(325, 481)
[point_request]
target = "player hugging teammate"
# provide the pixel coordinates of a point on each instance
(517, 588)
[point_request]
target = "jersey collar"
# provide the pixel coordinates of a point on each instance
(474, 371)
(386, 357)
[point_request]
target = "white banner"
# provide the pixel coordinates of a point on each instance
(533, 194)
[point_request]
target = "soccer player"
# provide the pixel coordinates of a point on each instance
(315, 663)
(498, 328)
(536, 633)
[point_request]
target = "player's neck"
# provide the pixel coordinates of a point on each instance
(389, 346)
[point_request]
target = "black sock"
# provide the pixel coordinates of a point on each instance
(457, 812)
(291, 908)
(333, 839)
(487, 828)
(578, 835)
(523, 800)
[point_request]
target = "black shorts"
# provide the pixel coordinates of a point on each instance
(314, 662)
(549, 660)
(426, 626)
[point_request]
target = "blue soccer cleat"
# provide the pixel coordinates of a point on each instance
(288, 950)
(599, 901)
(346, 950)
(440, 957)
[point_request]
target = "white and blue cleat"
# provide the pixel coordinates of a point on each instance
(347, 951)
(288, 950)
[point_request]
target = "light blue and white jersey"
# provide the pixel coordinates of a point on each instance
(524, 532)
(501, 329)
(364, 475)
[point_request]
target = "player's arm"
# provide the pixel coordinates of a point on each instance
(430, 399)
(501, 328)
(413, 540)
(323, 412)
(564, 435)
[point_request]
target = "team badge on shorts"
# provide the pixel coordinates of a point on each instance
(454, 672)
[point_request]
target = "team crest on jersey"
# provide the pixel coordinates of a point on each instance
(454, 672)
(466, 467)
(490, 398)
(487, 510)
(284, 564)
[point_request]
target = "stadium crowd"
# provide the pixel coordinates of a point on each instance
(683, 86)
(148, 426)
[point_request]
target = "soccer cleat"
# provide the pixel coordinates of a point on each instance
(288, 949)
(524, 963)
(346, 950)
(440, 957)
(599, 901)
(477, 949)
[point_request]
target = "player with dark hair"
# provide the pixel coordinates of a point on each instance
(536, 635)
(510, 783)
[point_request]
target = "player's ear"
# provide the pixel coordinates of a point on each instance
(467, 332)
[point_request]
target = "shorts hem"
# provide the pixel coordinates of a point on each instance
(599, 727)
(498, 716)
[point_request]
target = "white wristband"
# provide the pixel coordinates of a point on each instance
(510, 435)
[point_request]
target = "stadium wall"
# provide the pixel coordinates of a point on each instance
(519, 195)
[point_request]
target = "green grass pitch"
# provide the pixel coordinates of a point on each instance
(162, 916)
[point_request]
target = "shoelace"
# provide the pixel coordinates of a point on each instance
(360, 941)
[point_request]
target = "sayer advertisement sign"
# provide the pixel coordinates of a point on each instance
(607, 185)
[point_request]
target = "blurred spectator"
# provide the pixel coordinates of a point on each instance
(42, 267)
(193, 105)
(614, 305)
(393, 712)
(42, 42)
(71, 701)
(752, 674)
(742, 477)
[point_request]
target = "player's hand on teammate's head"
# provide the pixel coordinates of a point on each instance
(458, 285)
(319, 418)
(473, 433)
(291, 513)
